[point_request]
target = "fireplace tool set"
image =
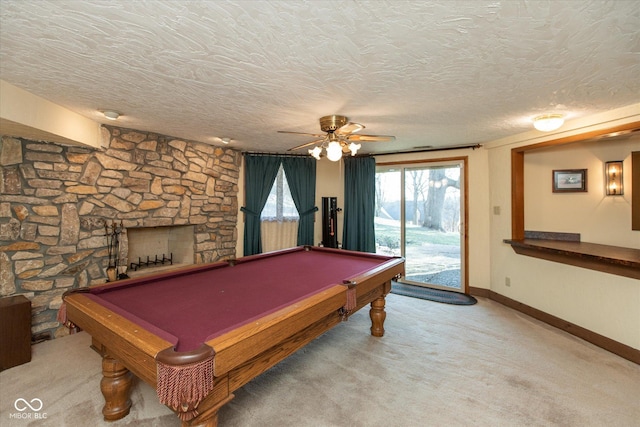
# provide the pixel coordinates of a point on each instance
(112, 233)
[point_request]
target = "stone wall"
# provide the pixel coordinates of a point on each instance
(54, 201)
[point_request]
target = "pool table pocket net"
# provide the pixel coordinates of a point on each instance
(184, 380)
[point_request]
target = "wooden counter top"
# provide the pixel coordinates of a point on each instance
(609, 259)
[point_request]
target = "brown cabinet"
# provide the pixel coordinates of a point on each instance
(15, 331)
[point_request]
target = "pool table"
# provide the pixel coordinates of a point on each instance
(198, 334)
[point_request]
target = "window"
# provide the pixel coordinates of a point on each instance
(280, 206)
(279, 217)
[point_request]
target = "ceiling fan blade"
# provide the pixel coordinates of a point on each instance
(371, 138)
(317, 135)
(349, 128)
(318, 141)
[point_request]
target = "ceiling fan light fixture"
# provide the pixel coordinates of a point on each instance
(339, 138)
(548, 122)
(315, 152)
(334, 151)
(358, 127)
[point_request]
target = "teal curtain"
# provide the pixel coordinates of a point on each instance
(359, 204)
(301, 176)
(260, 173)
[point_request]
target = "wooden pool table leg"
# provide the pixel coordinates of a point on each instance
(209, 416)
(377, 315)
(211, 422)
(116, 389)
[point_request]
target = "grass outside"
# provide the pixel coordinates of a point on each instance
(431, 256)
(388, 234)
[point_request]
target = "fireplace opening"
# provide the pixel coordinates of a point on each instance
(154, 249)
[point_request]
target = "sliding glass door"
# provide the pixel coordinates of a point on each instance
(420, 215)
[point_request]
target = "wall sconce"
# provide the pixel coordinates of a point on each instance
(613, 178)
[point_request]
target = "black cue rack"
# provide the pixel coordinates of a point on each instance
(330, 211)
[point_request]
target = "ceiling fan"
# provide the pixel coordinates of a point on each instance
(339, 137)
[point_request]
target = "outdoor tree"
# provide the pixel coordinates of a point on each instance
(419, 189)
(426, 198)
(380, 196)
(438, 183)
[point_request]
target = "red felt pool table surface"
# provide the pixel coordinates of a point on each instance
(200, 333)
(192, 306)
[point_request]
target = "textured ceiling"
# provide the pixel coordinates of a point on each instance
(431, 73)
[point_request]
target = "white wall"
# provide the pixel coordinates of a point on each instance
(597, 217)
(603, 303)
(26, 115)
(329, 183)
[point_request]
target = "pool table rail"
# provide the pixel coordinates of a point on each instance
(247, 341)
(132, 344)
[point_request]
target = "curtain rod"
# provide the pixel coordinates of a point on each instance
(259, 153)
(387, 153)
(426, 150)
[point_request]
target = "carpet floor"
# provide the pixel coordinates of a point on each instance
(437, 365)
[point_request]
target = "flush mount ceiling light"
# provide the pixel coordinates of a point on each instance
(548, 122)
(111, 115)
(225, 140)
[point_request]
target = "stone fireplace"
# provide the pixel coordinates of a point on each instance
(169, 195)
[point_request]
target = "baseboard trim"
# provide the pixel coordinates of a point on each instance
(601, 341)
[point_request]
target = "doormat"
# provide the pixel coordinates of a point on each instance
(437, 295)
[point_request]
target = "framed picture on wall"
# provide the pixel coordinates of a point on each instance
(569, 180)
